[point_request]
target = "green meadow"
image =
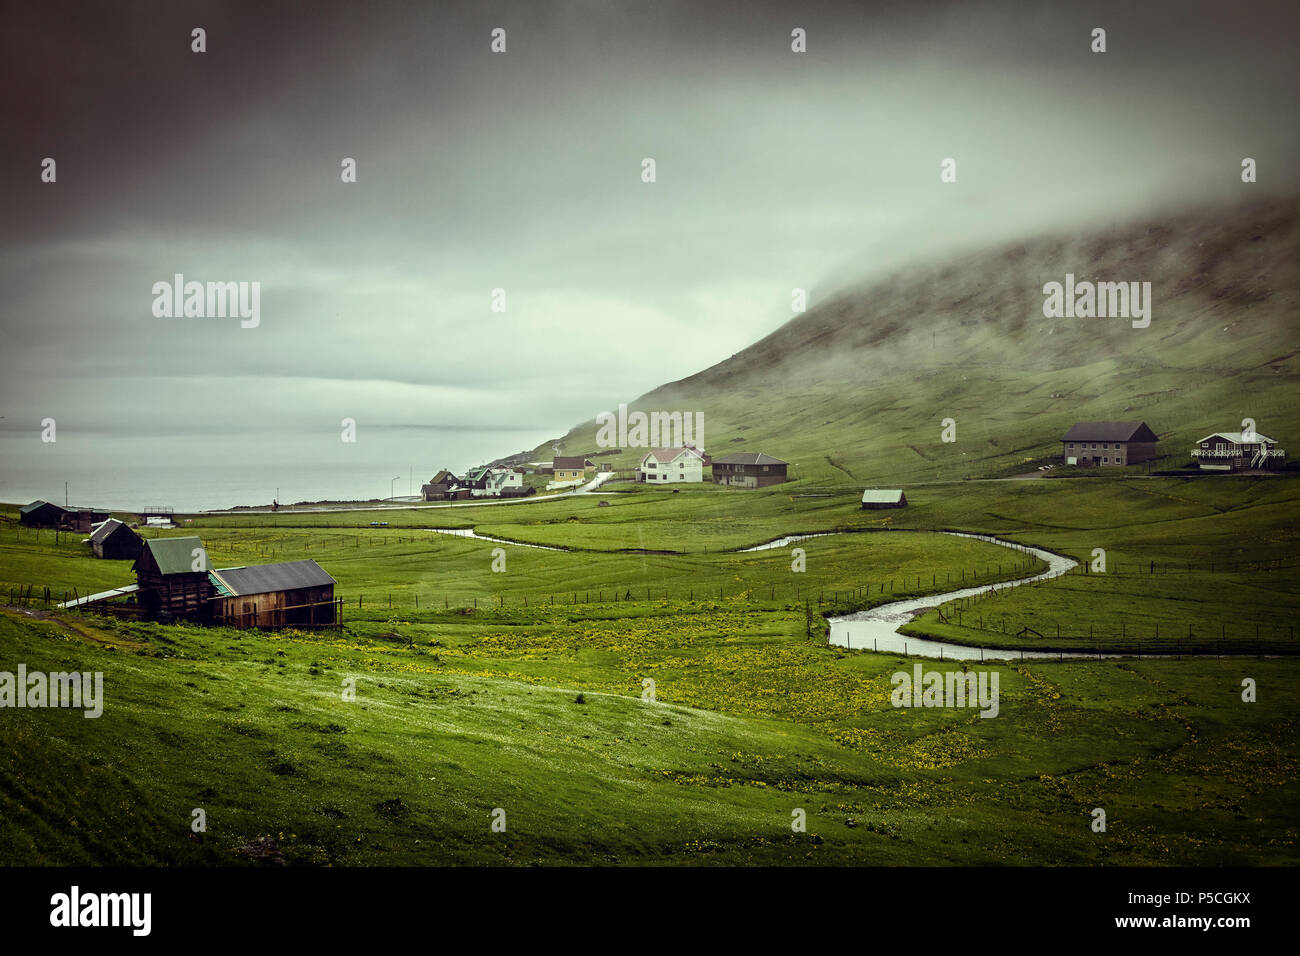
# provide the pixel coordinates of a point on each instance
(617, 706)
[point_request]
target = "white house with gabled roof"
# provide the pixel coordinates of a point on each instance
(671, 466)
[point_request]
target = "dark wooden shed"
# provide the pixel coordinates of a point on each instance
(113, 540)
(41, 514)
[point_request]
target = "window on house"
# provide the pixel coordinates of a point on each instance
(1105, 460)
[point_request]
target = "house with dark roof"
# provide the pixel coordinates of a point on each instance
(113, 540)
(569, 471)
(748, 470)
(441, 487)
(172, 576)
(287, 594)
(41, 514)
(1235, 451)
(663, 466)
(1108, 443)
(435, 491)
(476, 478)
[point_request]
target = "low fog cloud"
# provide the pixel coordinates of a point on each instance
(521, 171)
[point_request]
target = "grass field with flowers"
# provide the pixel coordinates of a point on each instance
(476, 706)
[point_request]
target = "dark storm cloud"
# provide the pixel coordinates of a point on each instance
(521, 171)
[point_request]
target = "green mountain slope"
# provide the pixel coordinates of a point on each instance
(855, 390)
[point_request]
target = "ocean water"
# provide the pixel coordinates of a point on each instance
(203, 471)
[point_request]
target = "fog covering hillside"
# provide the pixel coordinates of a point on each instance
(855, 389)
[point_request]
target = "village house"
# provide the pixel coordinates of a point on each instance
(569, 471)
(876, 498)
(496, 480)
(748, 470)
(166, 575)
(1109, 443)
(287, 594)
(441, 487)
(113, 540)
(476, 479)
(661, 466)
(1234, 451)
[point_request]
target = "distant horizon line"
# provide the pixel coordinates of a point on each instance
(12, 427)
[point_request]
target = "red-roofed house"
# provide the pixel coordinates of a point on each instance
(662, 466)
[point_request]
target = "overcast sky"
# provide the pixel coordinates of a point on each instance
(522, 171)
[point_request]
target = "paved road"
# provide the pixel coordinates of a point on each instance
(587, 489)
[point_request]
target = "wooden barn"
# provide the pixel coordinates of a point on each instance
(113, 540)
(288, 594)
(41, 514)
(875, 498)
(167, 579)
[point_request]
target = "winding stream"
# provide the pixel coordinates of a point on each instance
(471, 533)
(877, 628)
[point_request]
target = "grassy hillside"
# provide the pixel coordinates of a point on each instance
(854, 390)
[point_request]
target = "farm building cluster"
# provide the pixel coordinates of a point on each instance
(173, 582)
(684, 464)
(484, 482)
(1115, 444)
